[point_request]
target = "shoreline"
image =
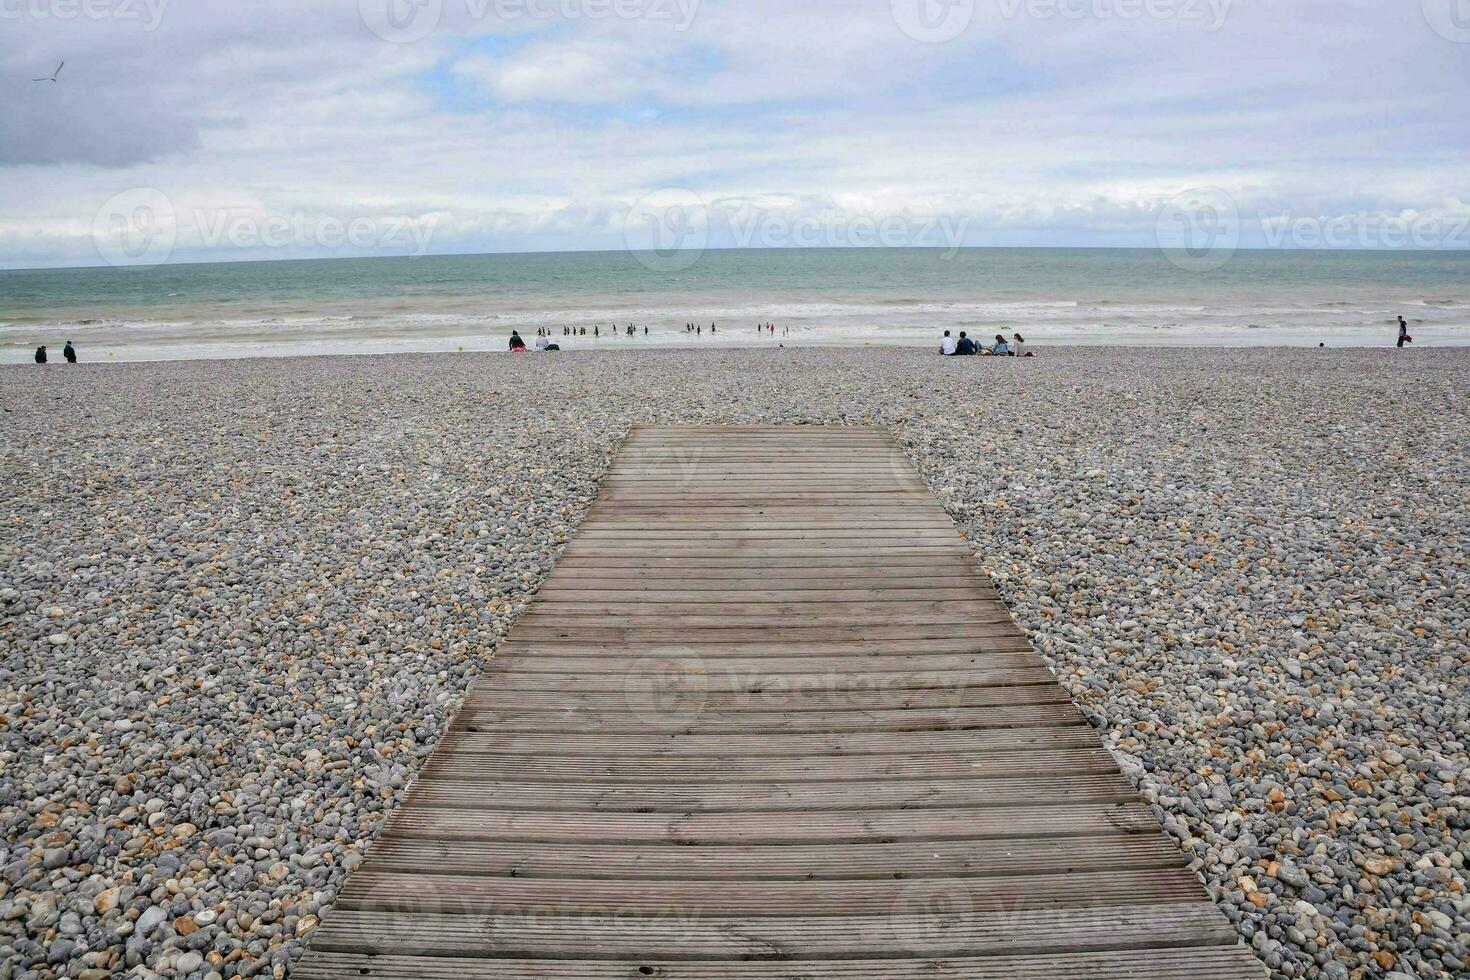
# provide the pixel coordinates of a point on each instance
(244, 596)
(24, 359)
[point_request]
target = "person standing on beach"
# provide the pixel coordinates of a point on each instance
(69, 352)
(41, 354)
(1404, 337)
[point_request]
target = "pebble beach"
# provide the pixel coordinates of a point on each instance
(240, 600)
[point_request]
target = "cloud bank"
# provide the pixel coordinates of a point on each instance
(506, 125)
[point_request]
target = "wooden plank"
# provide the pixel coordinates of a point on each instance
(799, 656)
(781, 828)
(759, 748)
(776, 698)
(1133, 963)
(693, 677)
(387, 890)
(707, 937)
(452, 763)
(901, 860)
(685, 712)
(769, 797)
(767, 719)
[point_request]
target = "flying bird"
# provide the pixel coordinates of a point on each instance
(53, 75)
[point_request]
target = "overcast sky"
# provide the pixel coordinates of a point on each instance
(284, 128)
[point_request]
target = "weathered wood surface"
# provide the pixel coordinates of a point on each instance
(765, 720)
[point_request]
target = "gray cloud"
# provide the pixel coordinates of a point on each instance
(520, 132)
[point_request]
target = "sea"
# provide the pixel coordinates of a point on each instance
(814, 296)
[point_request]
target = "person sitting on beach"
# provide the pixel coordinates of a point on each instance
(964, 346)
(946, 345)
(41, 354)
(516, 343)
(69, 352)
(1000, 348)
(1018, 347)
(541, 342)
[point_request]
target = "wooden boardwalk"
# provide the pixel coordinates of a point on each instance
(764, 720)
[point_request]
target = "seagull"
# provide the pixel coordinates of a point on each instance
(53, 75)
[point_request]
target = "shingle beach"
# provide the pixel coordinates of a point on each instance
(240, 600)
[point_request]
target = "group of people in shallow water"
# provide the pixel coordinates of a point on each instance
(69, 352)
(1015, 347)
(543, 334)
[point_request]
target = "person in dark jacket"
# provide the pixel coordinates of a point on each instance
(516, 343)
(70, 353)
(41, 354)
(964, 345)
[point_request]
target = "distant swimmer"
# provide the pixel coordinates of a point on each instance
(41, 354)
(69, 352)
(1404, 337)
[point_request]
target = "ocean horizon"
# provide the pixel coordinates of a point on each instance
(815, 296)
